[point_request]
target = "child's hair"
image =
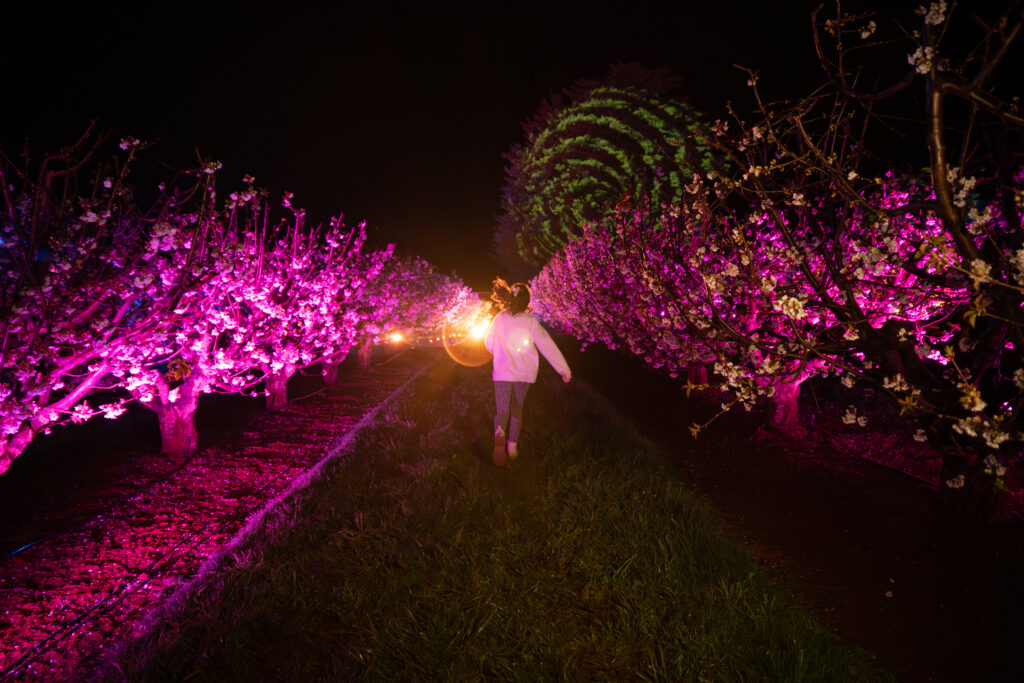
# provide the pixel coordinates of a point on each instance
(514, 299)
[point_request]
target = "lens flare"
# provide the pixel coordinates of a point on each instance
(464, 339)
(479, 329)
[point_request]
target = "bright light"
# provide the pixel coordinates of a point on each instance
(395, 336)
(479, 329)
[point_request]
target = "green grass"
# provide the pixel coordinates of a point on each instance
(414, 558)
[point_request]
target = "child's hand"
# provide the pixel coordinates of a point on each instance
(566, 378)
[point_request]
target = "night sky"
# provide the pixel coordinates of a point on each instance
(393, 116)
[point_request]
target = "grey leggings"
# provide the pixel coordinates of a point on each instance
(509, 397)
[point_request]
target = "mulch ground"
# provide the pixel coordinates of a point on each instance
(113, 527)
(861, 545)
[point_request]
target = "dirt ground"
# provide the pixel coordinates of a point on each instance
(861, 545)
(107, 526)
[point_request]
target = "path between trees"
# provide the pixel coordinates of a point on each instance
(860, 545)
(864, 547)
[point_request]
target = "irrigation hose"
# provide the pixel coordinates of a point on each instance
(191, 454)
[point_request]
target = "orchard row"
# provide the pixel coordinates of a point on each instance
(104, 303)
(871, 236)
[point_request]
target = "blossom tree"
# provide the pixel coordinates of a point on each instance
(817, 254)
(627, 141)
(412, 295)
(923, 274)
(277, 299)
(308, 307)
(79, 297)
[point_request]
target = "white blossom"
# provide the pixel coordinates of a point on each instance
(112, 411)
(896, 383)
(791, 307)
(979, 272)
(994, 467)
(1017, 261)
(922, 59)
(970, 398)
(935, 14)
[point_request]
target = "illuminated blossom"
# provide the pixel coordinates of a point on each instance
(970, 398)
(979, 272)
(791, 307)
(993, 467)
(922, 59)
(935, 14)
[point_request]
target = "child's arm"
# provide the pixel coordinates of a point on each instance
(546, 345)
(489, 335)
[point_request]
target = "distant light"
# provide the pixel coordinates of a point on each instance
(479, 329)
(396, 336)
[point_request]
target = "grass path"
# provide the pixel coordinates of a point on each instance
(414, 558)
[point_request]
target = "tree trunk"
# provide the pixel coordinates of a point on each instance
(177, 421)
(330, 368)
(13, 447)
(177, 427)
(364, 353)
(787, 410)
(277, 387)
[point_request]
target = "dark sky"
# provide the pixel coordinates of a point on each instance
(393, 116)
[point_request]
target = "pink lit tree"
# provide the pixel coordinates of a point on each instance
(921, 273)
(412, 295)
(817, 255)
(79, 296)
(407, 294)
(277, 299)
(193, 296)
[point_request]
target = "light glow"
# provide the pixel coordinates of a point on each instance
(463, 336)
(479, 329)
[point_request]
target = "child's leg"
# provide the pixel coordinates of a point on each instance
(502, 399)
(518, 396)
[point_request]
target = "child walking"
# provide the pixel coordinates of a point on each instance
(514, 337)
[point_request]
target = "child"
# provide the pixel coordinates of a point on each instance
(514, 337)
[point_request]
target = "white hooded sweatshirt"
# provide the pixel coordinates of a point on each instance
(514, 340)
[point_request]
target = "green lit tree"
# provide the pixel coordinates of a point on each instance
(626, 142)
